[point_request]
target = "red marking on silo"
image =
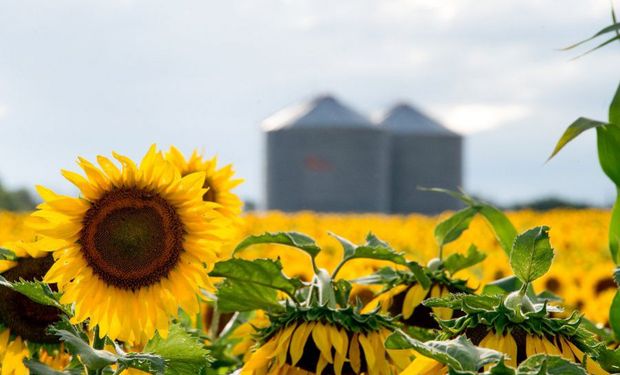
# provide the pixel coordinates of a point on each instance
(317, 164)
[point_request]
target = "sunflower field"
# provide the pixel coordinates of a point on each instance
(152, 268)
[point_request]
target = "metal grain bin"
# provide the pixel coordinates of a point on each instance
(423, 154)
(324, 156)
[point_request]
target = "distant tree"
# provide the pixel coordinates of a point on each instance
(16, 200)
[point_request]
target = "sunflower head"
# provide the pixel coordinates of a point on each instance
(404, 292)
(134, 247)
(24, 323)
(491, 323)
(218, 183)
(319, 340)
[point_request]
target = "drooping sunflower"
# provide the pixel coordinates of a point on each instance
(218, 182)
(134, 247)
(489, 323)
(23, 323)
(313, 327)
(403, 295)
(317, 340)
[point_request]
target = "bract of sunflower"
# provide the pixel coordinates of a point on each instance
(24, 323)
(313, 328)
(134, 247)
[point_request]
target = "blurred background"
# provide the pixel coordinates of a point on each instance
(88, 77)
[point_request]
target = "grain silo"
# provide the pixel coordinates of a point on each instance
(324, 156)
(423, 154)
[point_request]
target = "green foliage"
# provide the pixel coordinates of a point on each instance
(6, 254)
(613, 29)
(374, 248)
(252, 284)
(294, 239)
(37, 291)
(451, 229)
(38, 368)
(503, 229)
(532, 254)
(235, 296)
(183, 353)
(459, 354)
(420, 274)
(542, 364)
(264, 272)
(16, 200)
(456, 262)
(92, 358)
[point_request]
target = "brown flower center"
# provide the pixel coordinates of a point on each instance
(24, 317)
(131, 238)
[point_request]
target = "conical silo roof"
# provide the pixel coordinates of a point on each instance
(321, 112)
(404, 118)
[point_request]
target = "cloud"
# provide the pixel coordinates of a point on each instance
(475, 117)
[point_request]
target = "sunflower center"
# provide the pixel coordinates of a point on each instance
(210, 195)
(24, 317)
(131, 238)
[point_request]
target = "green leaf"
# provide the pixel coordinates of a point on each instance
(469, 303)
(459, 354)
(37, 291)
(531, 254)
(150, 363)
(614, 315)
(420, 275)
(451, 229)
(575, 129)
(609, 359)
(38, 368)
(549, 365)
(92, 358)
(233, 296)
(617, 276)
(608, 29)
(456, 262)
(183, 353)
(294, 239)
(374, 248)
(6, 254)
(503, 229)
(614, 108)
(264, 272)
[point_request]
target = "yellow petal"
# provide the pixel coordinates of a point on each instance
(369, 351)
(298, 342)
(510, 348)
(415, 296)
(321, 339)
(354, 353)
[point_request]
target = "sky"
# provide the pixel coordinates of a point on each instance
(88, 77)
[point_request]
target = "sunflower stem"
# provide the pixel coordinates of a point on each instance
(98, 344)
(215, 323)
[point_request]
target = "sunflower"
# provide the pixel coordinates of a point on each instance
(23, 323)
(404, 297)
(134, 247)
(491, 324)
(305, 346)
(218, 182)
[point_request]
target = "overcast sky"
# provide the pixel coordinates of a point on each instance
(87, 77)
